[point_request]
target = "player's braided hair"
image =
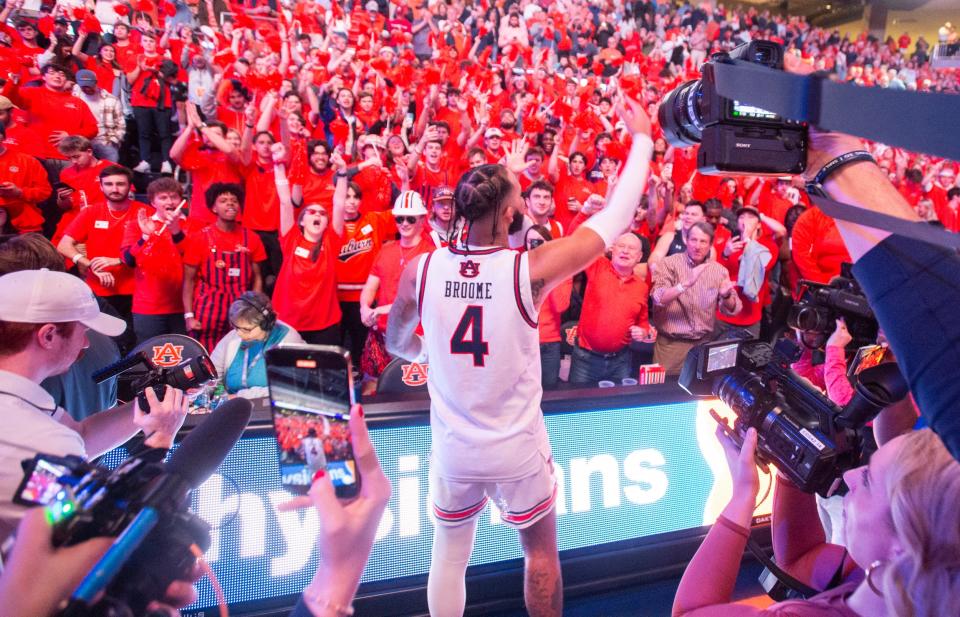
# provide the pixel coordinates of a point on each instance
(479, 192)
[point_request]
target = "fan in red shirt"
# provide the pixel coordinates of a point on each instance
(211, 154)
(221, 261)
(52, 112)
(383, 282)
(262, 211)
(316, 184)
(23, 185)
(765, 231)
(100, 227)
(818, 249)
(305, 295)
(441, 222)
(549, 318)
(80, 182)
(614, 314)
(539, 202)
(427, 175)
(363, 234)
(572, 186)
(153, 247)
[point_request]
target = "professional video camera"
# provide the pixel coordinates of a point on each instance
(807, 437)
(819, 307)
(734, 138)
(169, 359)
(145, 503)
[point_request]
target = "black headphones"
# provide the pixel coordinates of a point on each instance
(268, 318)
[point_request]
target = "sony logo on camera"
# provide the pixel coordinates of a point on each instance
(734, 138)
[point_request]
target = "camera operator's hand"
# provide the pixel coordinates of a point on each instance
(165, 418)
(743, 474)
(63, 568)
(347, 528)
(841, 336)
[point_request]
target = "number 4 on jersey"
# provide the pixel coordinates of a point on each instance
(472, 322)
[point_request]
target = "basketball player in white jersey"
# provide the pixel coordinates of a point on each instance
(478, 302)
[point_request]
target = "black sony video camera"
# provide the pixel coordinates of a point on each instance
(172, 359)
(807, 437)
(819, 306)
(734, 138)
(144, 503)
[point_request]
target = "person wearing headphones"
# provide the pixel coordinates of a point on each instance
(239, 355)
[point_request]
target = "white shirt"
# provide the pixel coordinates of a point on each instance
(30, 426)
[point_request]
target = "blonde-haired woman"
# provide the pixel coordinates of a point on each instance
(903, 534)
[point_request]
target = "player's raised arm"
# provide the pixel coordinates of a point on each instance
(558, 260)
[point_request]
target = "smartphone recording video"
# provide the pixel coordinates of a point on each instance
(311, 391)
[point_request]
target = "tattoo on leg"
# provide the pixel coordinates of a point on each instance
(543, 591)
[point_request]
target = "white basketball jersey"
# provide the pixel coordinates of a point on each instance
(481, 338)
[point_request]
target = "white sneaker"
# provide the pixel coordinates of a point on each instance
(166, 168)
(142, 168)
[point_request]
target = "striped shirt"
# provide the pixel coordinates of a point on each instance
(691, 316)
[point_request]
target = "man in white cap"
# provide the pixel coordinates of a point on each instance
(381, 286)
(44, 318)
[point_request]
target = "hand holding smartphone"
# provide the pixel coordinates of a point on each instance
(311, 393)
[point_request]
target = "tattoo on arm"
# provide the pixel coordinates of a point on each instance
(536, 289)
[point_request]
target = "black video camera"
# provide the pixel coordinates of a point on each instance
(807, 437)
(819, 306)
(175, 360)
(144, 503)
(735, 138)
(94, 501)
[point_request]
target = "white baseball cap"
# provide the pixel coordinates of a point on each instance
(43, 296)
(409, 203)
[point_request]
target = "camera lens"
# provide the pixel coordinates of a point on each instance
(744, 393)
(680, 115)
(809, 319)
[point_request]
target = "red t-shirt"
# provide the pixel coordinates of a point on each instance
(558, 300)
(424, 181)
(26, 173)
(198, 245)
(388, 266)
(158, 273)
(319, 188)
(611, 305)
(305, 295)
(104, 73)
(86, 190)
(206, 167)
(102, 231)
(568, 186)
(377, 188)
(261, 205)
(145, 91)
(816, 246)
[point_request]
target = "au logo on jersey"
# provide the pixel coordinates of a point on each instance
(469, 269)
(414, 374)
(167, 354)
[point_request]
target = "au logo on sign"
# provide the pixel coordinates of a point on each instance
(414, 374)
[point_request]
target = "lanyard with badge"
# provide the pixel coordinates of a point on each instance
(246, 366)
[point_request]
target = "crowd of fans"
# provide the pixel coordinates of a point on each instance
(179, 155)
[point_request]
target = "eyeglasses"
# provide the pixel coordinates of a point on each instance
(244, 329)
(410, 220)
(535, 243)
(443, 205)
